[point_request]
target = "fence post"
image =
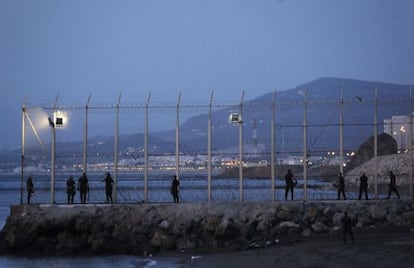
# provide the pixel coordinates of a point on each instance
(116, 144)
(341, 130)
(146, 150)
(209, 132)
(85, 137)
(272, 141)
(410, 145)
(23, 151)
(241, 149)
(305, 149)
(177, 138)
(376, 142)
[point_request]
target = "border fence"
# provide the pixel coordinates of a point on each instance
(144, 144)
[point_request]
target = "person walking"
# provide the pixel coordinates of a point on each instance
(289, 180)
(341, 186)
(109, 182)
(29, 188)
(363, 186)
(83, 187)
(175, 189)
(347, 227)
(392, 186)
(70, 189)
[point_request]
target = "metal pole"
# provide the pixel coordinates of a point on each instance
(177, 138)
(52, 182)
(272, 141)
(52, 186)
(85, 137)
(410, 145)
(376, 142)
(116, 150)
(209, 146)
(23, 151)
(146, 150)
(241, 149)
(283, 141)
(305, 149)
(341, 130)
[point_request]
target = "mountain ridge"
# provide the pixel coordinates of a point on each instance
(322, 116)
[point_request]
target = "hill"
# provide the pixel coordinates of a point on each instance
(323, 110)
(322, 116)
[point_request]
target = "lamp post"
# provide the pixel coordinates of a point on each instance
(57, 121)
(53, 156)
(236, 118)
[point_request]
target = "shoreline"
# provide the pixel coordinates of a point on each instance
(375, 249)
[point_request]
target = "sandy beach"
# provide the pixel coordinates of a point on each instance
(379, 248)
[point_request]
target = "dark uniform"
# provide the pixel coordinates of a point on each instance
(70, 189)
(174, 189)
(392, 186)
(341, 185)
(347, 227)
(289, 184)
(83, 187)
(109, 182)
(30, 188)
(363, 186)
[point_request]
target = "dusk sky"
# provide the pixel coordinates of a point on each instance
(81, 47)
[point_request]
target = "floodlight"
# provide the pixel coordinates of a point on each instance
(235, 118)
(59, 121)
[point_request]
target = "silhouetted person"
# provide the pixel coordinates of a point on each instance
(70, 189)
(341, 186)
(30, 188)
(363, 186)
(289, 184)
(347, 227)
(392, 186)
(109, 182)
(83, 187)
(174, 189)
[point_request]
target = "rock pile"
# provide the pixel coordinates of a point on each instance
(143, 228)
(398, 163)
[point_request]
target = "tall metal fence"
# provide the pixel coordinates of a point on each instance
(143, 144)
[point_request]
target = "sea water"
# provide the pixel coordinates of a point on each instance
(130, 190)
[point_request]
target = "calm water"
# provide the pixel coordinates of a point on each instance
(130, 190)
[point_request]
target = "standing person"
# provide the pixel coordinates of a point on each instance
(174, 189)
(347, 227)
(289, 184)
(109, 182)
(70, 189)
(392, 186)
(83, 187)
(30, 188)
(363, 186)
(341, 185)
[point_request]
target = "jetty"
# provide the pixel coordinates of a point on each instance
(144, 228)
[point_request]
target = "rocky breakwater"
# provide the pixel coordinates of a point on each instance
(140, 228)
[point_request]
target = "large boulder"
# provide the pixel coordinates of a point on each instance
(386, 145)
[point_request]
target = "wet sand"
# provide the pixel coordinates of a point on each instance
(379, 248)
